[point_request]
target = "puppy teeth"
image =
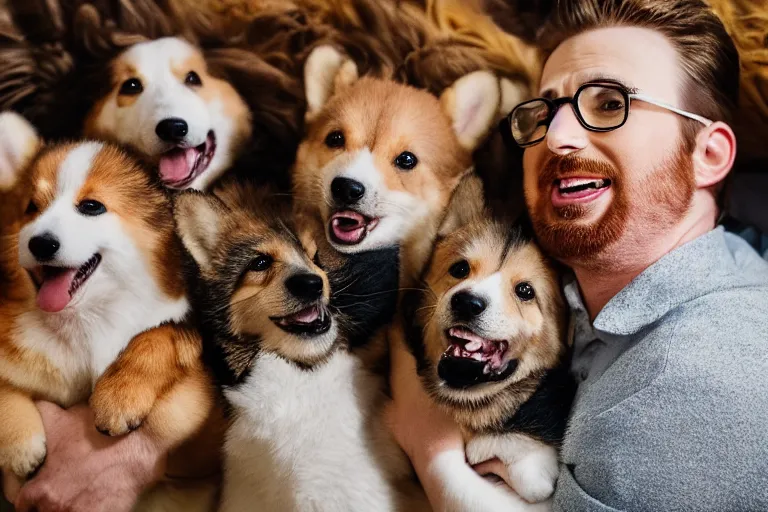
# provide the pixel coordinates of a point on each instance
(473, 346)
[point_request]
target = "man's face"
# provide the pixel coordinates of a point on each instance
(641, 177)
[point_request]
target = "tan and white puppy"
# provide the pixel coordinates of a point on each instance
(488, 333)
(93, 302)
(164, 102)
(380, 159)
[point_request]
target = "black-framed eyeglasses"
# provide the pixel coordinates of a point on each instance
(598, 107)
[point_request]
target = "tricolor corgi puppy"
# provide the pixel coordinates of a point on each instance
(164, 102)
(286, 320)
(380, 159)
(93, 298)
(488, 333)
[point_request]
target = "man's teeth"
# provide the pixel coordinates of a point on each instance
(579, 184)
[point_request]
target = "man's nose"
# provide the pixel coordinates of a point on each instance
(565, 134)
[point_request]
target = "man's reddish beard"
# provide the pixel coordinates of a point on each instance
(668, 191)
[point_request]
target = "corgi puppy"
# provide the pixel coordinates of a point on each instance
(286, 320)
(380, 159)
(164, 103)
(93, 302)
(488, 334)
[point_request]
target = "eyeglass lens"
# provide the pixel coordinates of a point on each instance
(600, 107)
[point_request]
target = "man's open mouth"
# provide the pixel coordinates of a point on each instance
(311, 321)
(181, 165)
(348, 227)
(578, 190)
(471, 359)
(56, 286)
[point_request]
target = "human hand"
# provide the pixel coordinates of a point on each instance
(422, 429)
(85, 470)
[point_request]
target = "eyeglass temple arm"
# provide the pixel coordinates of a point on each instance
(641, 97)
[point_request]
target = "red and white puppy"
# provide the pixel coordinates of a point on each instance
(164, 103)
(93, 301)
(380, 159)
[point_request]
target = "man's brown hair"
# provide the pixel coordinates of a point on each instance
(706, 52)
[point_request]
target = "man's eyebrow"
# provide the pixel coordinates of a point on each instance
(608, 79)
(600, 78)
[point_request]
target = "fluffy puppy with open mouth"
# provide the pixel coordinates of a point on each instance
(488, 333)
(287, 323)
(380, 159)
(93, 304)
(163, 101)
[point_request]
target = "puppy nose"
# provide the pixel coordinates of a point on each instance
(305, 286)
(347, 191)
(466, 306)
(44, 247)
(172, 129)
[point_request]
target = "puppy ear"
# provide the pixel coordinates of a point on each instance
(199, 220)
(19, 143)
(466, 205)
(473, 103)
(326, 71)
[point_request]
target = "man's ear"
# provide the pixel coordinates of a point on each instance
(19, 143)
(199, 219)
(326, 72)
(466, 205)
(714, 154)
(473, 103)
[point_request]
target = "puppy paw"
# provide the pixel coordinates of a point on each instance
(531, 466)
(533, 480)
(24, 458)
(119, 408)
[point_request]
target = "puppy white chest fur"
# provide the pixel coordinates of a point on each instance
(78, 348)
(309, 440)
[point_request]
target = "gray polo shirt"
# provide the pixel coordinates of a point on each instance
(672, 407)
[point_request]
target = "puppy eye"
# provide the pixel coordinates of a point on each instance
(460, 269)
(260, 263)
(406, 161)
(31, 208)
(335, 139)
(524, 291)
(193, 79)
(91, 208)
(131, 87)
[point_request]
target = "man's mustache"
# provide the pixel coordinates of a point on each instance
(558, 166)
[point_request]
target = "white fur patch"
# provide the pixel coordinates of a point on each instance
(309, 440)
(532, 466)
(463, 489)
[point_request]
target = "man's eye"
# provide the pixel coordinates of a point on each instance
(610, 106)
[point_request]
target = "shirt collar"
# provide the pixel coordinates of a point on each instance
(689, 271)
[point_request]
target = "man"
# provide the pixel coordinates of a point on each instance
(624, 162)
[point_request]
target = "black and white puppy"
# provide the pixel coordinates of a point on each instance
(287, 321)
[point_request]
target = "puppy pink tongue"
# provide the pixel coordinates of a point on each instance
(177, 164)
(307, 316)
(349, 227)
(54, 293)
